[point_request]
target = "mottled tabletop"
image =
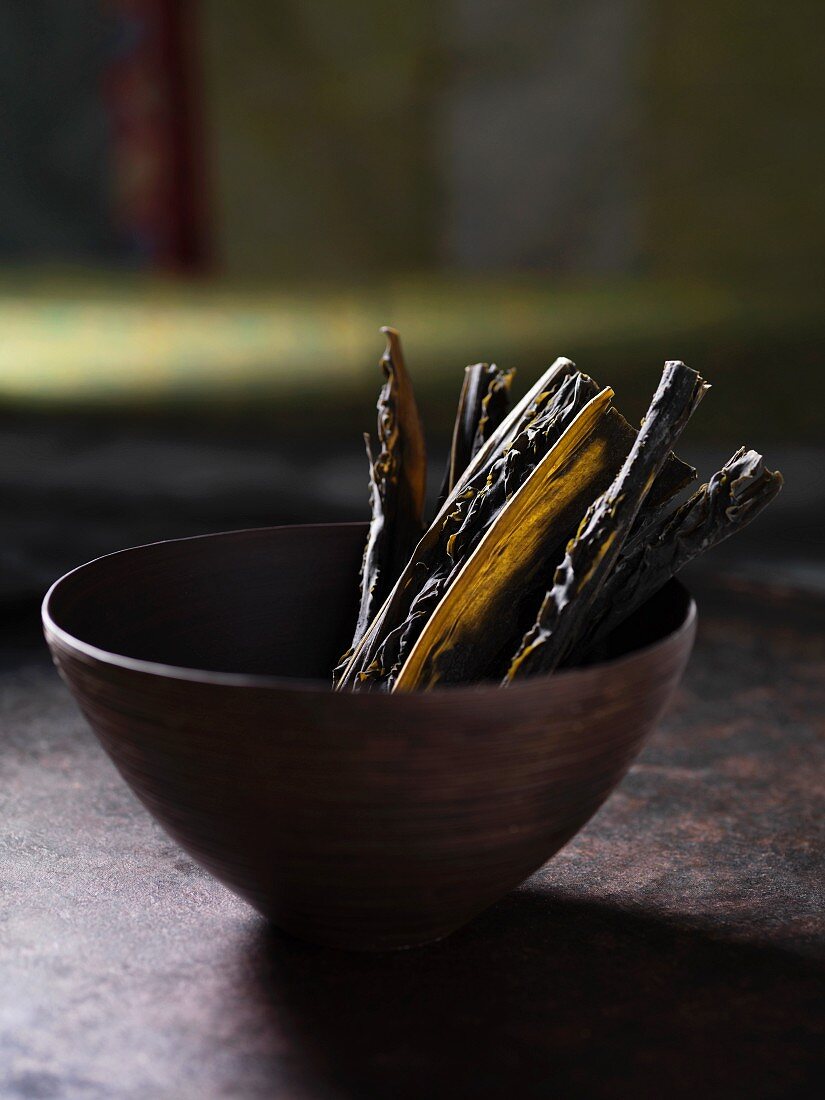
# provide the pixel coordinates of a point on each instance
(673, 948)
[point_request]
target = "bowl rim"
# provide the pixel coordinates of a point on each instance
(85, 651)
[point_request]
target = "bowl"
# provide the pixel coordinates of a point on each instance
(364, 821)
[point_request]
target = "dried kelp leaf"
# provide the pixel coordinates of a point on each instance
(543, 416)
(734, 496)
(482, 406)
(398, 481)
(514, 493)
(522, 413)
(494, 408)
(473, 517)
(463, 528)
(593, 551)
(362, 655)
(439, 555)
(477, 612)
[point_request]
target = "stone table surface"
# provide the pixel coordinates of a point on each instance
(674, 947)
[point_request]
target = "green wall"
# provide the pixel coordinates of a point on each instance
(735, 152)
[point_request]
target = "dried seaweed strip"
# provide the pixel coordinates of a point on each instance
(495, 406)
(536, 423)
(478, 610)
(473, 513)
(516, 464)
(521, 413)
(591, 554)
(397, 486)
(474, 516)
(483, 404)
(362, 657)
(734, 496)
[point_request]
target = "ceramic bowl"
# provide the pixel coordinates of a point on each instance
(363, 821)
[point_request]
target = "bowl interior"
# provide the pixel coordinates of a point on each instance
(277, 601)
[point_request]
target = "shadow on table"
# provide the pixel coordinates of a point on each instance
(542, 997)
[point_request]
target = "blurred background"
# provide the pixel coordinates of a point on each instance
(207, 209)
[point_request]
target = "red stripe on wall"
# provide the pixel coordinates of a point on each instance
(154, 91)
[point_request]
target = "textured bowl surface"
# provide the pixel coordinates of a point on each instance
(358, 820)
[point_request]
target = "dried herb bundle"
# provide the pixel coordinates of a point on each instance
(561, 486)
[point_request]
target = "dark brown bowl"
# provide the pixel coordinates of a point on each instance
(358, 820)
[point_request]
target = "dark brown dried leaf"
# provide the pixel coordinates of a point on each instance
(733, 497)
(398, 481)
(593, 551)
